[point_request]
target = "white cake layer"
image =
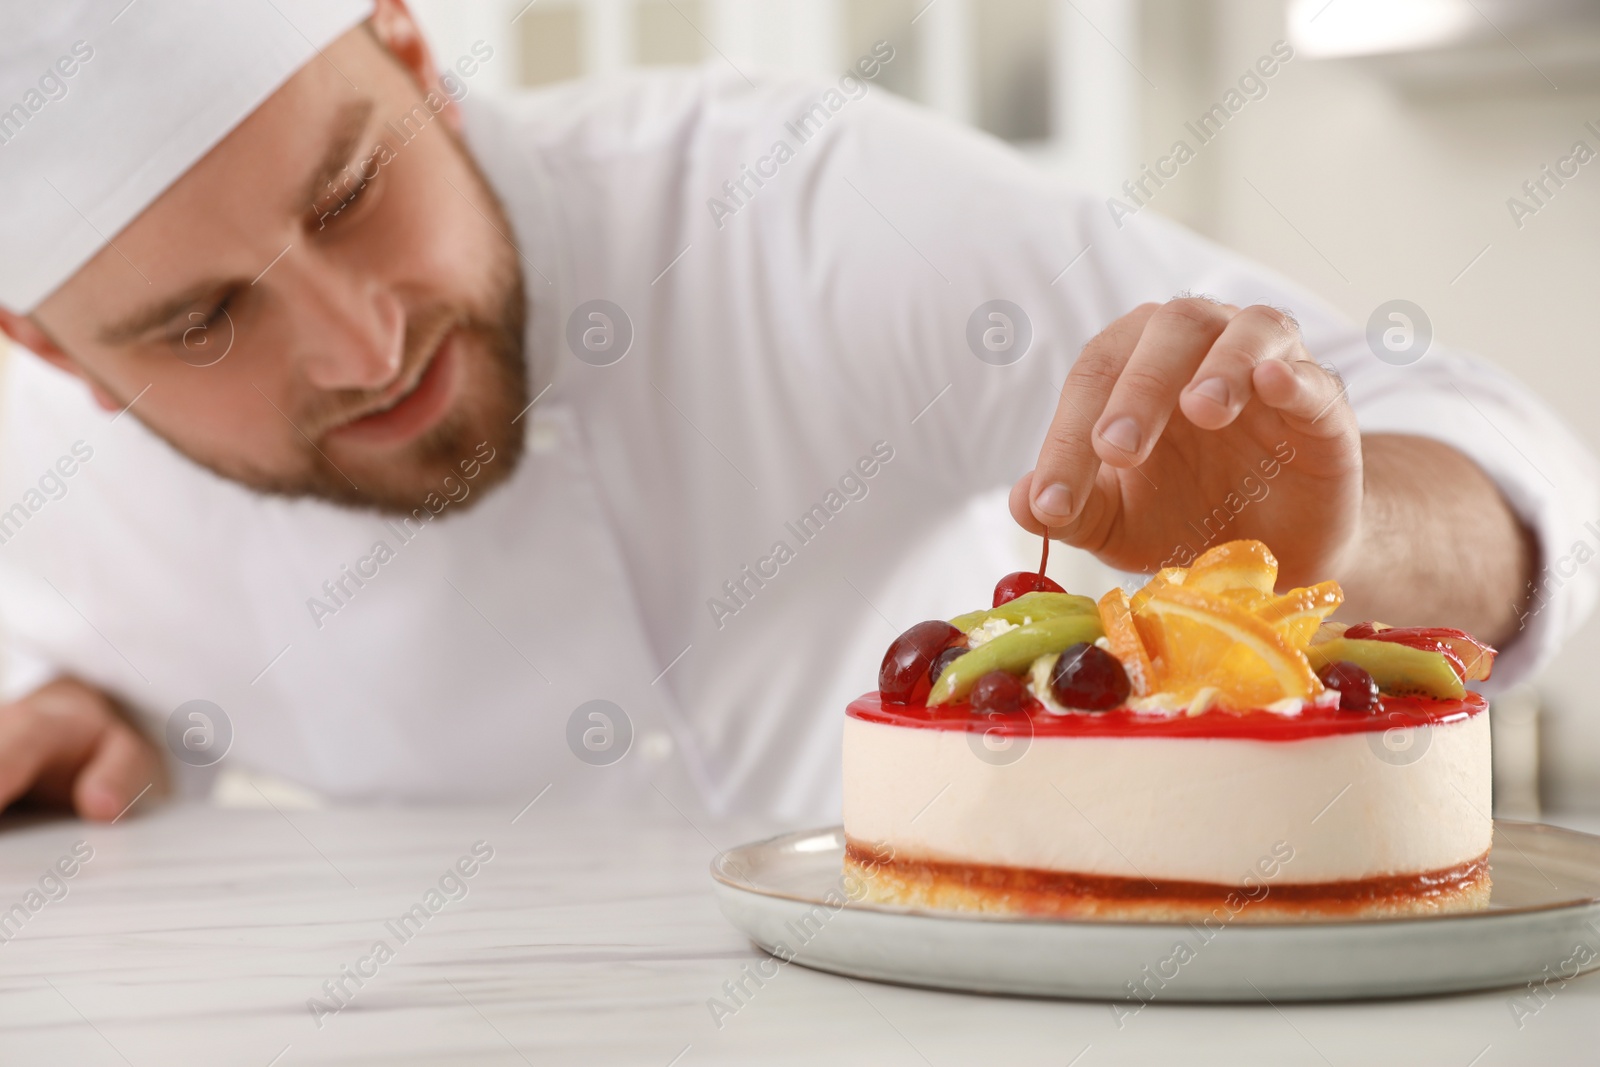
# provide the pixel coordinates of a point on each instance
(1193, 809)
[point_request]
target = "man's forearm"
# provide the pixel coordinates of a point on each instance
(1438, 545)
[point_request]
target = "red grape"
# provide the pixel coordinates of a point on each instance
(1357, 690)
(1016, 583)
(942, 660)
(1088, 678)
(904, 674)
(998, 693)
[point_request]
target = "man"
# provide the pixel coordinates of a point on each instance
(595, 442)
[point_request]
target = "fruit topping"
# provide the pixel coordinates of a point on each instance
(1213, 635)
(1028, 606)
(1234, 569)
(1474, 658)
(1117, 619)
(1298, 614)
(1088, 678)
(1357, 690)
(999, 693)
(1018, 583)
(1200, 641)
(942, 660)
(1397, 668)
(1013, 652)
(903, 678)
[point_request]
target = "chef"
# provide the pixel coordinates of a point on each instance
(589, 447)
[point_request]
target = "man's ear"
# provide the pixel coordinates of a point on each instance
(25, 332)
(396, 29)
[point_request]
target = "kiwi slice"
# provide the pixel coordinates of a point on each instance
(1398, 669)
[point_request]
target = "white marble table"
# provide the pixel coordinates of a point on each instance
(197, 935)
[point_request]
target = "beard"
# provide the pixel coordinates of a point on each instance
(493, 391)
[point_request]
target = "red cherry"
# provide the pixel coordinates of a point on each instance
(903, 678)
(1015, 584)
(1357, 690)
(998, 693)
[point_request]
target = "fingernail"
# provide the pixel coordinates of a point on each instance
(1122, 434)
(1055, 501)
(1214, 390)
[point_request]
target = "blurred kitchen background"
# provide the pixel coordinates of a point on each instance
(1378, 166)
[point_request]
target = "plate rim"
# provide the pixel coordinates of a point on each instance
(730, 881)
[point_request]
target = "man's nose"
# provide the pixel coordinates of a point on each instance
(353, 330)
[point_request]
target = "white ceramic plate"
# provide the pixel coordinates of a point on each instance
(787, 895)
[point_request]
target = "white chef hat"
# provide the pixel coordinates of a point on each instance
(105, 103)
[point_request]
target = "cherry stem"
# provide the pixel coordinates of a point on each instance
(1044, 557)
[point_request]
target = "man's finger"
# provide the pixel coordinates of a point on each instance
(1175, 340)
(121, 768)
(1222, 385)
(1306, 394)
(26, 746)
(1067, 461)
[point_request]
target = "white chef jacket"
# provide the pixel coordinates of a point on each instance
(782, 341)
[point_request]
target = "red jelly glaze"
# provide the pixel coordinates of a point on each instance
(1260, 725)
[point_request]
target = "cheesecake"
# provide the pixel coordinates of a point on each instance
(1204, 750)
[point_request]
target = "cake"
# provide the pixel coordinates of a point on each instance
(1205, 750)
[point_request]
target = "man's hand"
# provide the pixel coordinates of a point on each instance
(65, 746)
(1191, 423)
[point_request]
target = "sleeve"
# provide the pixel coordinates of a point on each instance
(934, 221)
(21, 672)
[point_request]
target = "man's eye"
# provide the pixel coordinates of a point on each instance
(344, 195)
(198, 323)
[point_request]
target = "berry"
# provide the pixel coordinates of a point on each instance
(942, 660)
(998, 693)
(903, 678)
(1088, 678)
(1357, 690)
(1016, 583)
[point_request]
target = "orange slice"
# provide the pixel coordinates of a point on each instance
(1207, 642)
(1234, 566)
(1116, 618)
(1164, 577)
(1299, 613)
